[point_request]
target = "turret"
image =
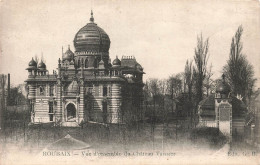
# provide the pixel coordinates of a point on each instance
(42, 68)
(223, 89)
(32, 68)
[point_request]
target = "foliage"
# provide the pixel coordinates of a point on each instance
(212, 135)
(239, 72)
(16, 97)
(174, 86)
(200, 68)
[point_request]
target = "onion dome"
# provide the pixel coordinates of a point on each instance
(68, 55)
(41, 65)
(117, 62)
(91, 38)
(32, 64)
(223, 87)
(73, 87)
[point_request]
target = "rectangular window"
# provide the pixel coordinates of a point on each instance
(97, 90)
(104, 91)
(51, 111)
(51, 90)
(90, 90)
(51, 117)
(104, 107)
(109, 91)
(41, 90)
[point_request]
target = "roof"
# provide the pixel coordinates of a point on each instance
(116, 61)
(128, 61)
(68, 55)
(91, 38)
(208, 104)
(42, 65)
(32, 65)
(73, 87)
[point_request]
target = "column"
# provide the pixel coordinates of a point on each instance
(81, 95)
(58, 113)
(115, 105)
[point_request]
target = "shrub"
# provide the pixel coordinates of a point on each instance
(213, 136)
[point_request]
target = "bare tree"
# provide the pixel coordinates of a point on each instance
(153, 88)
(189, 80)
(174, 87)
(2, 101)
(200, 69)
(239, 72)
(162, 84)
(189, 77)
(208, 81)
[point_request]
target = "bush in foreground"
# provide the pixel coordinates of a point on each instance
(210, 135)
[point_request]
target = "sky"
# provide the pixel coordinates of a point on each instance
(161, 35)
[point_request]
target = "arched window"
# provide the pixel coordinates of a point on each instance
(95, 63)
(51, 90)
(79, 63)
(41, 90)
(86, 63)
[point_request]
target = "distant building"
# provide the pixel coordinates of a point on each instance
(223, 111)
(87, 87)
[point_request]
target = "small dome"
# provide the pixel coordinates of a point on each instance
(41, 65)
(32, 64)
(139, 67)
(223, 87)
(117, 62)
(68, 55)
(91, 38)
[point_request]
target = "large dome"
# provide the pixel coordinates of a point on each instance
(91, 38)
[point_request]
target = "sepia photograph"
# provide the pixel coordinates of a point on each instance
(129, 82)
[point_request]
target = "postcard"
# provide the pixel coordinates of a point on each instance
(129, 82)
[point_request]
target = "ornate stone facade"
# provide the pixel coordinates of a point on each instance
(87, 86)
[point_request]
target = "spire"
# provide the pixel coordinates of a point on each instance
(91, 18)
(62, 49)
(68, 47)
